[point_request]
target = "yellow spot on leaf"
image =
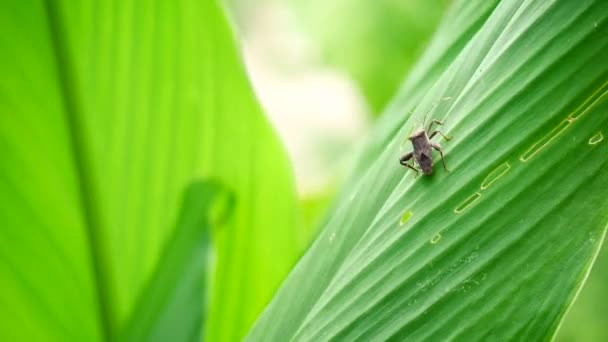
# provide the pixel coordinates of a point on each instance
(405, 217)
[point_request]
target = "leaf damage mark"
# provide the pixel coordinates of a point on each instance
(496, 174)
(596, 139)
(435, 238)
(546, 140)
(590, 102)
(585, 107)
(467, 202)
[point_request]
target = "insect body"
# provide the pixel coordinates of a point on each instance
(422, 154)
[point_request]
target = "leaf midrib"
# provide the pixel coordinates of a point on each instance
(73, 110)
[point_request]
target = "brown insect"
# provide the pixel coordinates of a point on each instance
(422, 154)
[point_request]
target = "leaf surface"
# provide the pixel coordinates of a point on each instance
(109, 111)
(172, 306)
(498, 248)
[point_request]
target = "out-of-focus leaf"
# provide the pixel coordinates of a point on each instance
(586, 321)
(48, 285)
(374, 41)
(497, 248)
(172, 306)
(108, 111)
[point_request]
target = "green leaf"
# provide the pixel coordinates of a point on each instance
(48, 289)
(462, 21)
(108, 111)
(498, 248)
(314, 209)
(171, 307)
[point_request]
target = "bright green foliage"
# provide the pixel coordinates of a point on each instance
(497, 248)
(172, 305)
(586, 321)
(373, 41)
(314, 209)
(108, 111)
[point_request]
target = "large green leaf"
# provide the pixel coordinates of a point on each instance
(47, 279)
(109, 110)
(172, 305)
(462, 21)
(497, 248)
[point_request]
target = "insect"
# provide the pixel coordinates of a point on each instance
(422, 154)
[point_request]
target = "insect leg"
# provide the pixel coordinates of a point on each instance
(411, 167)
(440, 133)
(406, 157)
(404, 161)
(430, 109)
(437, 147)
(434, 121)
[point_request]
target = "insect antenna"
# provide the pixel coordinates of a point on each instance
(427, 113)
(433, 106)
